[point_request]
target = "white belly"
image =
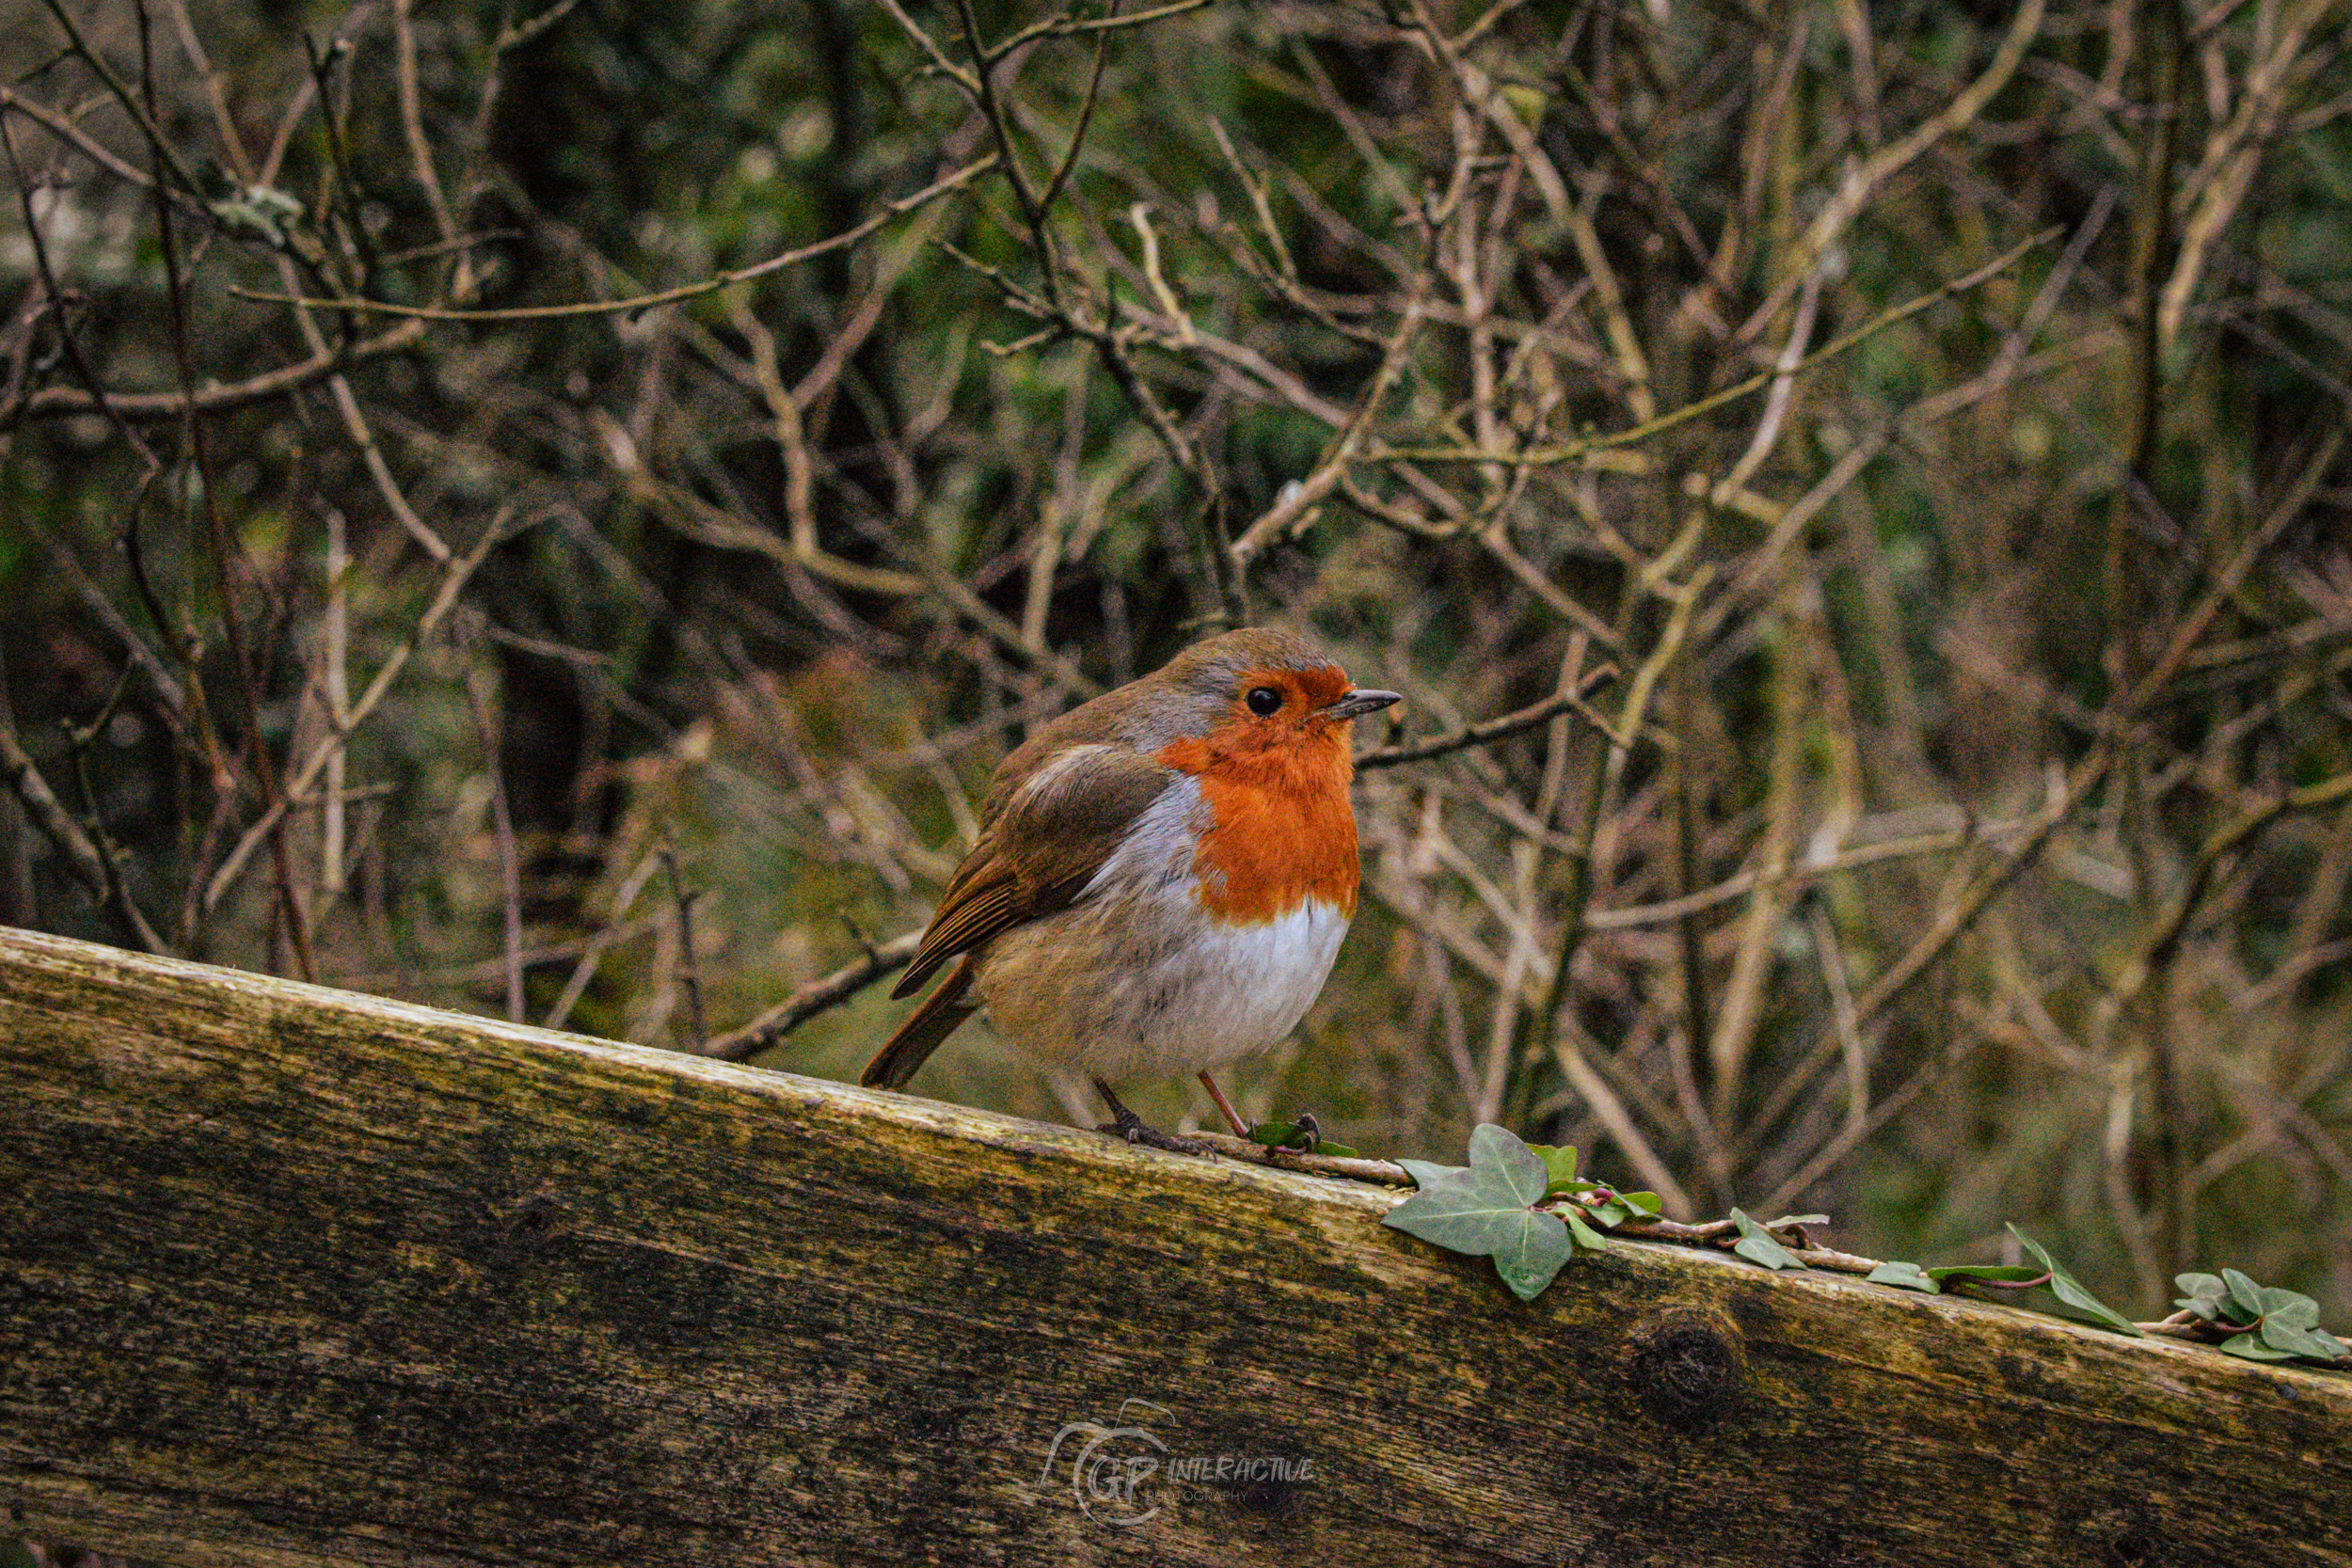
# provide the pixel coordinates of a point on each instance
(1154, 987)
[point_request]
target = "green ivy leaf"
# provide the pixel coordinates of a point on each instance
(2251, 1346)
(2070, 1289)
(1757, 1245)
(1499, 1150)
(2245, 1295)
(1904, 1277)
(1427, 1175)
(1583, 1235)
(2300, 1309)
(1648, 1203)
(2205, 1294)
(1559, 1164)
(2296, 1339)
(1535, 1256)
(2291, 1323)
(1997, 1273)
(1489, 1209)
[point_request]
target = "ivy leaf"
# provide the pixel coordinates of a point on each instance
(2337, 1350)
(1426, 1176)
(1499, 1149)
(2296, 1339)
(1583, 1235)
(2291, 1304)
(2291, 1323)
(2205, 1292)
(1991, 1273)
(2251, 1346)
(1757, 1245)
(1489, 1209)
(1786, 1220)
(2246, 1296)
(1904, 1277)
(2070, 1289)
(1559, 1164)
(1535, 1255)
(1646, 1203)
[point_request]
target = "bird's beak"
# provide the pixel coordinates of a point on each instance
(1357, 703)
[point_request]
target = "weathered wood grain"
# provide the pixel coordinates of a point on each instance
(292, 1277)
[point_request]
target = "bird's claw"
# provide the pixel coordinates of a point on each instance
(1131, 1127)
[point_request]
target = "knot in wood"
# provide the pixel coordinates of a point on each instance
(1687, 1364)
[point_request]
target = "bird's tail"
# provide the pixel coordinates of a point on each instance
(919, 1036)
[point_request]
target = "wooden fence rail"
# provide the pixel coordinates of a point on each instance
(292, 1277)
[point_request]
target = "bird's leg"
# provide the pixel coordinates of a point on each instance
(1126, 1124)
(1232, 1117)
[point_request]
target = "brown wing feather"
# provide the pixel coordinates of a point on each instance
(974, 910)
(1044, 838)
(912, 1045)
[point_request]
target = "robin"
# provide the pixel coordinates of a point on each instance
(1162, 879)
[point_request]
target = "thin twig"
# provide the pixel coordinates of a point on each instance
(636, 303)
(89, 865)
(593, 953)
(454, 575)
(689, 970)
(1570, 452)
(1508, 724)
(818, 996)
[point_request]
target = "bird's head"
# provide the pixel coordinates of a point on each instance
(1259, 692)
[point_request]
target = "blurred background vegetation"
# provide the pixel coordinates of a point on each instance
(1911, 433)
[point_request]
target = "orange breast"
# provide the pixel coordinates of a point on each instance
(1283, 829)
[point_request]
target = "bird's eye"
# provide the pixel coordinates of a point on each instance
(1264, 700)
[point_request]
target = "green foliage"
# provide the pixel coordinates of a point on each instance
(1904, 1277)
(2263, 1322)
(1525, 1206)
(1757, 1245)
(1303, 1136)
(1427, 1174)
(1559, 1166)
(2070, 1289)
(1491, 1209)
(1990, 1274)
(2045, 1272)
